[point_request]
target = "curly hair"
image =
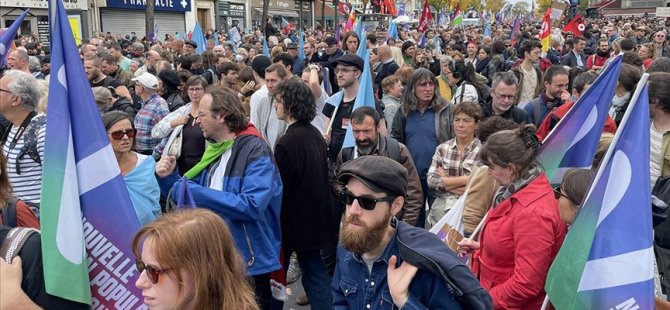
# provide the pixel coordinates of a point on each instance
(297, 98)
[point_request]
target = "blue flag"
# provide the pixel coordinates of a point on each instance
(393, 30)
(7, 38)
(199, 38)
(266, 49)
(422, 41)
(487, 29)
(178, 35)
(359, 29)
(364, 97)
(301, 46)
(574, 140)
(184, 196)
(401, 8)
(362, 48)
(216, 39)
(607, 258)
(87, 218)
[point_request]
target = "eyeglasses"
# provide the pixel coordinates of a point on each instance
(152, 272)
(558, 194)
(5, 90)
(365, 202)
(659, 36)
(198, 89)
(505, 97)
(118, 135)
(343, 70)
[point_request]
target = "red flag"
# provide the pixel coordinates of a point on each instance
(426, 18)
(575, 25)
(390, 7)
(545, 33)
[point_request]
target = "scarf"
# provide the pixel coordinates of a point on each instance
(505, 192)
(212, 153)
(619, 104)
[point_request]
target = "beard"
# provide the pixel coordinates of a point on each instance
(603, 54)
(365, 147)
(362, 239)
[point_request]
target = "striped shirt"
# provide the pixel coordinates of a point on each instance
(28, 184)
(656, 155)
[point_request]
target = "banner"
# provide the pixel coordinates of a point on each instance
(426, 18)
(7, 38)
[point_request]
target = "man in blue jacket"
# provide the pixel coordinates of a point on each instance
(370, 272)
(237, 179)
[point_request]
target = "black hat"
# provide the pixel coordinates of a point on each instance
(330, 41)
(259, 64)
(380, 174)
(350, 60)
(292, 46)
(191, 43)
(169, 78)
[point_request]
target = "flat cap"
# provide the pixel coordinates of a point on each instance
(330, 41)
(191, 43)
(380, 174)
(349, 60)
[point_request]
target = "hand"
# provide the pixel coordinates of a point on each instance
(467, 246)
(165, 166)
(441, 172)
(182, 120)
(327, 138)
(249, 86)
(11, 274)
(565, 96)
(398, 280)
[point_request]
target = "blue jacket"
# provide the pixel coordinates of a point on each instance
(250, 202)
(353, 287)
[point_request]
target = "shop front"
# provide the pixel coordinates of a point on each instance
(37, 20)
(124, 17)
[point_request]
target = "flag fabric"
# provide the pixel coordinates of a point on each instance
(362, 51)
(266, 49)
(390, 7)
(350, 22)
(216, 39)
(442, 18)
(7, 38)
(85, 204)
(575, 25)
(301, 46)
(178, 36)
(456, 12)
(337, 33)
(401, 8)
(199, 38)
(574, 140)
(426, 18)
(607, 258)
(515, 28)
(360, 30)
(393, 30)
(184, 196)
(545, 33)
(457, 21)
(422, 41)
(364, 97)
(487, 27)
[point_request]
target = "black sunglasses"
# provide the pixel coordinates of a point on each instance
(558, 194)
(366, 203)
(152, 272)
(118, 135)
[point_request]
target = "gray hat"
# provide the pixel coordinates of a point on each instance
(380, 174)
(191, 43)
(349, 60)
(330, 41)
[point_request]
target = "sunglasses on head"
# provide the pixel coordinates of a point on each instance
(558, 194)
(366, 203)
(118, 135)
(152, 272)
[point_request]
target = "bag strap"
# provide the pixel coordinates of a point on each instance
(393, 148)
(9, 217)
(14, 241)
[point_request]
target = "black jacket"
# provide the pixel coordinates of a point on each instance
(426, 251)
(384, 70)
(570, 60)
(514, 113)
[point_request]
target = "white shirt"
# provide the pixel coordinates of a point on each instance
(319, 120)
(216, 178)
(656, 154)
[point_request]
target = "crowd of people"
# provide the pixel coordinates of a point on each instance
(281, 196)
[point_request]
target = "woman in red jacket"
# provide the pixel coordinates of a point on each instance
(523, 231)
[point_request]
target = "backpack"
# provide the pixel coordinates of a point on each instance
(30, 141)
(392, 146)
(212, 77)
(483, 94)
(14, 241)
(8, 213)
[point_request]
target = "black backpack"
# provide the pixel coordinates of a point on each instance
(392, 146)
(8, 213)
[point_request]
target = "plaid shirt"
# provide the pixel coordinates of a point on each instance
(447, 156)
(153, 110)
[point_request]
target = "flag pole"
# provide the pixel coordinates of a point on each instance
(545, 303)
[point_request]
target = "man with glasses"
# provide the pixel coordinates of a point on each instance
(153, 110)
(19, 95)
(339, 106)
(371, 271)
(662, 48)
(503, 97)
(237, 179)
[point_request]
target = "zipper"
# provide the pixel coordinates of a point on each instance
(251, 250)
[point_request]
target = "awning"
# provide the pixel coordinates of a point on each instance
(601, 4)
(285, 13)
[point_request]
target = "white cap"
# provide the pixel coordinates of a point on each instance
(147, 80)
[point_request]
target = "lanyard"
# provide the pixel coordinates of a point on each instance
(20, 132)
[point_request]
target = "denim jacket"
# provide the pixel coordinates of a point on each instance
(353, 287)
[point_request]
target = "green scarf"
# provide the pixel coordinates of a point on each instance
(212, 153)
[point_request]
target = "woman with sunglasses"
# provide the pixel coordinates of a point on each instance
(523, 230)
(137, 169)
(188, 260)
(571, 193)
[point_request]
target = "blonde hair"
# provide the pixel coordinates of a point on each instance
(199, 242)
(42, 103)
